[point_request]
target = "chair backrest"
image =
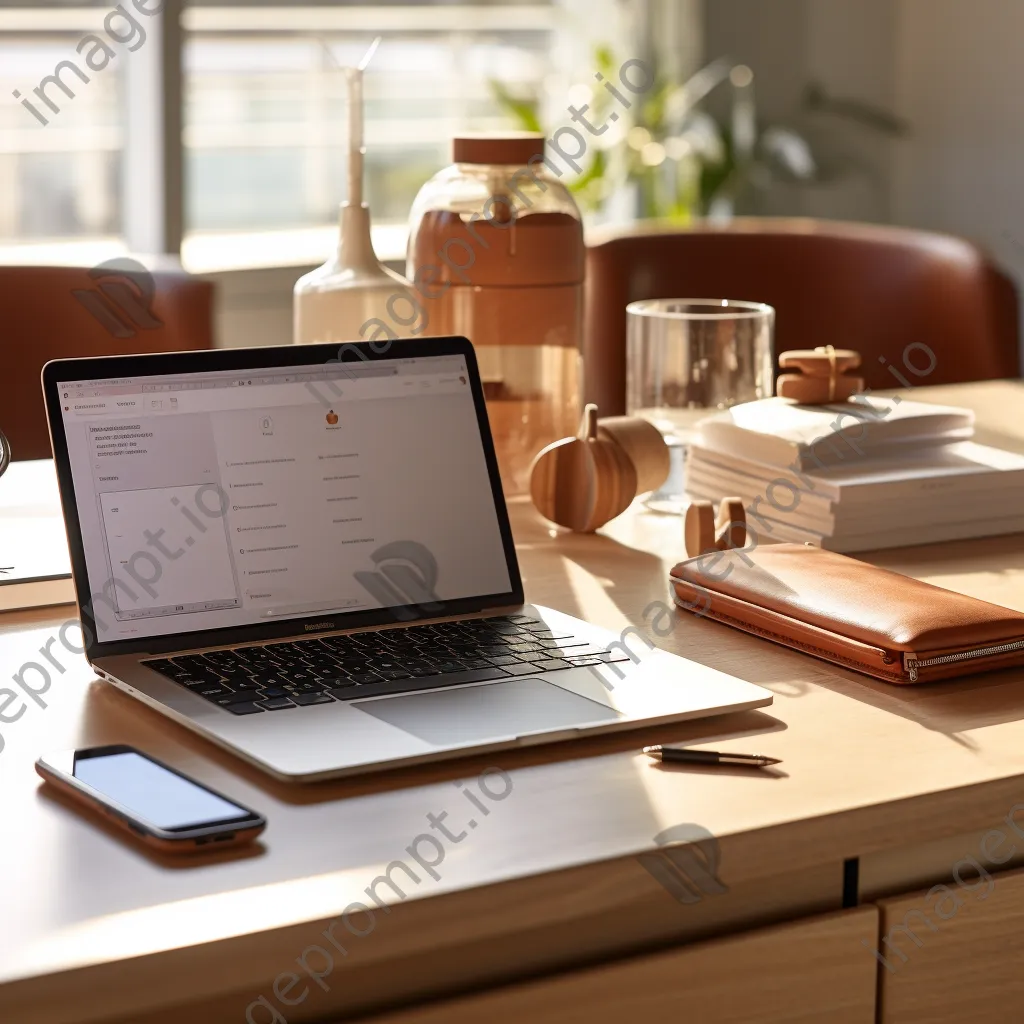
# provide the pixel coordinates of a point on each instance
(58, 312)
(871, 288)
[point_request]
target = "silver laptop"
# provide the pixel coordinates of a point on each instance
(308, 560)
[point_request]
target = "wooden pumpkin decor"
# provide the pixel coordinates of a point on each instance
(582, 482)
(822, 378)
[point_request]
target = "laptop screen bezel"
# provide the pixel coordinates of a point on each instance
(212, 360)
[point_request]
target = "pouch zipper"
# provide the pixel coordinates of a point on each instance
(912, 663)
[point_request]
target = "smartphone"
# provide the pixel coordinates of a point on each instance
(167, 810)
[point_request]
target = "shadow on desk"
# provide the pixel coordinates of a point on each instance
(184, 861)
(954, 707)
(693, 637)
(983, 561)
(771, 774)
(613, 567)
(110, 715)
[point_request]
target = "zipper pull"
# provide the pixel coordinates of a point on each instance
(910, 666)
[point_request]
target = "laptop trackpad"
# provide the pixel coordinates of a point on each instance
(469, 714)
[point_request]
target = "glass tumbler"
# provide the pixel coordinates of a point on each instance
(687, 358)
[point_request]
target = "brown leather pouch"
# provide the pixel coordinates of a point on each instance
(854, 614)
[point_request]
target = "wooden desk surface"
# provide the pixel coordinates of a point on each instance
(94, 929)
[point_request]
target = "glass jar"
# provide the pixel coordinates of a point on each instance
(496, 254)
(686, 358)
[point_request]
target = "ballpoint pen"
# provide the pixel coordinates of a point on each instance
(682, 755)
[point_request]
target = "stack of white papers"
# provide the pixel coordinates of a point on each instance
(857, 484)
(33, 544)
(778, 431)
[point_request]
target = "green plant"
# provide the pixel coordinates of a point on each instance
(681, 160)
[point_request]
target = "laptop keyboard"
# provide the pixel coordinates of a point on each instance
(313, 671)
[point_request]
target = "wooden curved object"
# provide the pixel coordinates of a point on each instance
(704, 533)
(642, 441)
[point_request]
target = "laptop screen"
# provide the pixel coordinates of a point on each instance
(226, 498)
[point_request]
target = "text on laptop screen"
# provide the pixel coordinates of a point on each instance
(220, 499)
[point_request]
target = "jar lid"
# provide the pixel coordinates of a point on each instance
(517, 148)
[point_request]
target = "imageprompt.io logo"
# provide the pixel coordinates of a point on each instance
(687, 869)
(406, 575)
(122, 303)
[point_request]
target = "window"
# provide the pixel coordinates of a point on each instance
(265, 110)
(265, 102)
(255, 174)
(59, 180)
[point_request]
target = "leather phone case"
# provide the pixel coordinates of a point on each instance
(868, 619)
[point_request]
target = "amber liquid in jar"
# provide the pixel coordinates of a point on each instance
(514, 287)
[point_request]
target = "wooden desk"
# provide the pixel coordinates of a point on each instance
(95, 930)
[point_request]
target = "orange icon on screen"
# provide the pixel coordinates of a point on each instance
(332, 417)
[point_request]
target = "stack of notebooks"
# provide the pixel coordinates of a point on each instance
(858, 476)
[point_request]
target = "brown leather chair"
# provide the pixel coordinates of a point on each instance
(55, 312)
(871, 288)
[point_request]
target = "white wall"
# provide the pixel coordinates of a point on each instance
(954, 69)
(254, 307)
(960, 82)
(846, 46)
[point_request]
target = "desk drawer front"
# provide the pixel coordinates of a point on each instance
(954, 955)
(804, 972)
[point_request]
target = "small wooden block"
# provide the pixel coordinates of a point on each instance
(731, 526)
(699, 528)
(822, 379)
(818, 363)
(816, 390)
(703, 534)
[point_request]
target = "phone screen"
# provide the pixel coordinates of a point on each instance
(152, 794)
